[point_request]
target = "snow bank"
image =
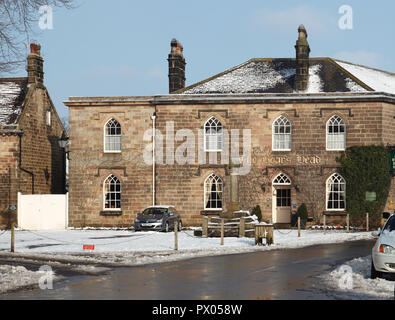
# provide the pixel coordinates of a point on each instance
(16, 277)
(362, 287)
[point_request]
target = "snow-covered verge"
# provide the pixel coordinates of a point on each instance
(17, 277)
(127, 247)
(359, 285)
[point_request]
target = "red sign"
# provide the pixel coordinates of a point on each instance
(88, 247)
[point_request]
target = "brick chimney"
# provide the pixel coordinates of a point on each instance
(302, 60)
(35, 69)
(176, 67)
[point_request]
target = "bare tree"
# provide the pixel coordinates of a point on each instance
(16, 21)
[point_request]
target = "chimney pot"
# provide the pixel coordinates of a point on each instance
(35, 65)
(302, 60)
(35, 48)
(176, 67)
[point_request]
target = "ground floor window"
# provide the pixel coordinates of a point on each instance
(112, 193)
(283, 197)
(213, 192)
(335, 192)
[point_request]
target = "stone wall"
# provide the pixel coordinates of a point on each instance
(41, 153)
(308, 164)
(8, 175)
(90, 165)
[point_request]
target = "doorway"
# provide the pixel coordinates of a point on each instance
(281, 209)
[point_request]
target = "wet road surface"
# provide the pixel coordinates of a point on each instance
(276, 274)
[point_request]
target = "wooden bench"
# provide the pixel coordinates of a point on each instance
(264, 231)
(337, 214)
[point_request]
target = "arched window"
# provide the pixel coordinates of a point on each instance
(336, 192)
(213, 192)
(112, 193)
(335, 133)
(112, 136)
(213, 135)
(281, 180)
(281, 134)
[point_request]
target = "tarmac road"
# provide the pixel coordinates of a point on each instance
(276, 274)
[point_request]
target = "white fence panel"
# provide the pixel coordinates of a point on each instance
(43, 211)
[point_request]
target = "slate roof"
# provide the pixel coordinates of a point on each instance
(12, 95)
(278, 76)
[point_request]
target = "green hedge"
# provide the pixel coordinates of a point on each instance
(365, 168)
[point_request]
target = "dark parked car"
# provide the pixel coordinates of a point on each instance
(160, 218)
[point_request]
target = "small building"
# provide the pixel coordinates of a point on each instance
(289, 117)
(31, 161)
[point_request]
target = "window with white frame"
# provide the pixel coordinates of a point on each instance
(213, 192)
(281, 180)
(112, 193)
(335, 133)
(281, 134)
(336, 193)
(112, 136)
(213, 135)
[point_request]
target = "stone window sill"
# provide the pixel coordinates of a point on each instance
(111, 213)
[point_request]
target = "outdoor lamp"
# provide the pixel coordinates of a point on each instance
(296, 187)
(263, 187)
(63, 142)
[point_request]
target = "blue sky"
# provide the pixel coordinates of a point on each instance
(113, 48)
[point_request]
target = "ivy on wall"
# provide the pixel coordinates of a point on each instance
(365, 168)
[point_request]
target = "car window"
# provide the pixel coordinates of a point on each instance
(390, 225)
(155, 211)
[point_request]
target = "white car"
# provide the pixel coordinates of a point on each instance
(383, 252)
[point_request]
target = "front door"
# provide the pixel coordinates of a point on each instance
(282, 205)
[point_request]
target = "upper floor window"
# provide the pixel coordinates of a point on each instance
(112, 193)
(213, 192)
(336, 192)
(112, 136)
(335, 134)
(281, 134)
(213, 135)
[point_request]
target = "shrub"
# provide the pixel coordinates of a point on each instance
(302, 212)
(257, 211)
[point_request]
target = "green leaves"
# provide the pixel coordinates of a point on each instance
(365, 168)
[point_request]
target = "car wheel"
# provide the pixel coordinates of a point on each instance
(179, 225)
(374, 273)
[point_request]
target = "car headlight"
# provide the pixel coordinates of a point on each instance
(384, 248)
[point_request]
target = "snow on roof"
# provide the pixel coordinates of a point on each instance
(277, 76)
(11, 99)
(378, 80)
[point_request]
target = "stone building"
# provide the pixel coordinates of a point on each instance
(31, 159)
(291, 117)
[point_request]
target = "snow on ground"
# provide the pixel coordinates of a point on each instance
(16, 277)
(361, 286)
(132, 248)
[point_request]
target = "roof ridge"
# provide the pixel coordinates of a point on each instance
(357, 80)
(214, 76)
(363, 66)
(13, 79)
